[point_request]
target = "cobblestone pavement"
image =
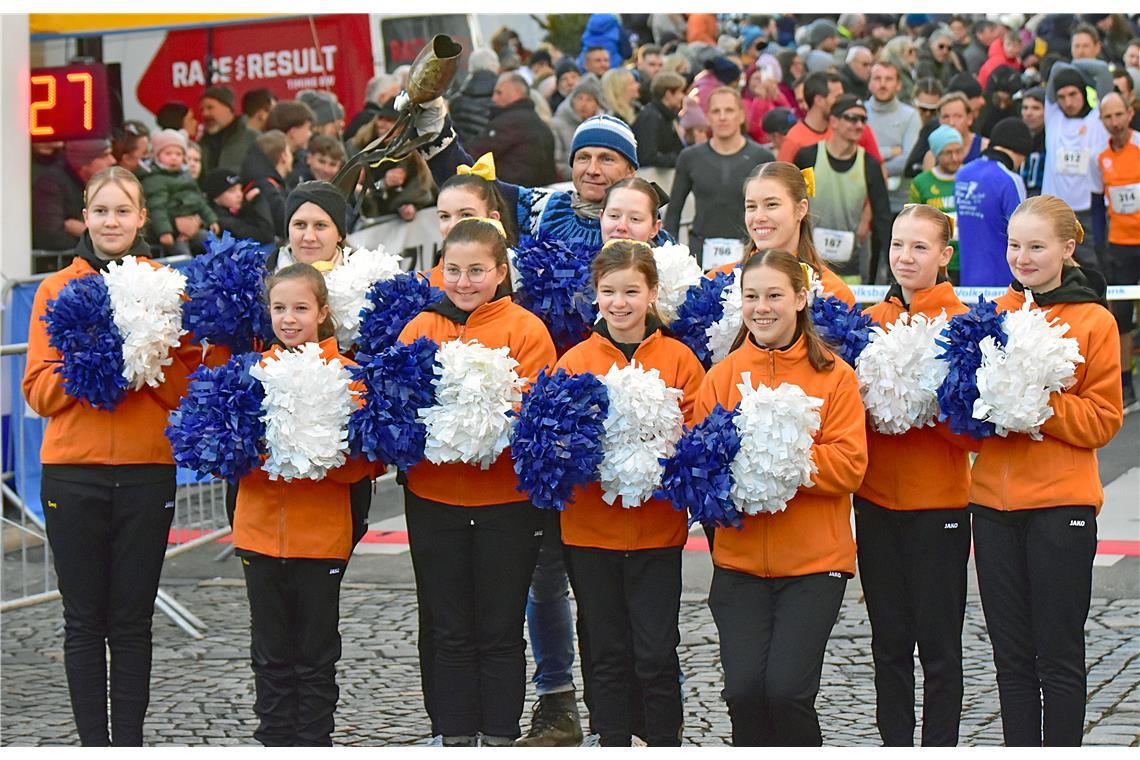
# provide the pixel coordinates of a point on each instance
(202, 691)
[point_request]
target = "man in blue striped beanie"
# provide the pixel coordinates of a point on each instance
(602, 152)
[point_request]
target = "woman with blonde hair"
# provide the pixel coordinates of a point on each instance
(620, 91)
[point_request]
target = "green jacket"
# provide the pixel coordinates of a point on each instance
(226, 148)
(170, 194)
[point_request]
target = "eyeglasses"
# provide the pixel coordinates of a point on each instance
(854, 118)
(475, 275)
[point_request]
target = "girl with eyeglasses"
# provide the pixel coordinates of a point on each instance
(473, 536)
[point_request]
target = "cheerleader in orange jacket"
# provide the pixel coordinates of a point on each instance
(776, 215)
(108, 488)
(778, 582)
(911, 521)
(625, 563)
(1035, 503)
(473, 536)
(294, 539)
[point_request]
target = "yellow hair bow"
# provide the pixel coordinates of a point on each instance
(809, 180)
(807, 274)
(484, 168)
(487, 220)
(625, 240)
(323, 266)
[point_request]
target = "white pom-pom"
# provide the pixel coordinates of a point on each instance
(349, 284)
(899, 373)
(677, 271)
(642, 427)
(306, 409)
(1015, 382)
(146, 302)
(723, 332)
(776, 426)
(475, 389)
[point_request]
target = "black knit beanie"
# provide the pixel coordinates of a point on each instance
(1012, 134)
(323, 194)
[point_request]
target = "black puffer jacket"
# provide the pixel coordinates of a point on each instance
(522, 144)
(471, 108)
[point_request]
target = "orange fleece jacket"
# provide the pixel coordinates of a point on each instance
(494, 324)
(813, 534)
(589, 521)
(922, 468)
(832, 283)
(1016, 472)
(134, 432)
(300, 518)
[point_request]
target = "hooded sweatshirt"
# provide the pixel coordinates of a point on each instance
(1015, 472)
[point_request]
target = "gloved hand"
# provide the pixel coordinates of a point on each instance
(428, 116)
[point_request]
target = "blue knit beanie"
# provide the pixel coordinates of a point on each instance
(941, 137)
(605, 132)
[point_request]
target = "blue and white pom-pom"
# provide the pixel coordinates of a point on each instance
(217, 429)
(81, 327)
(349, 286)
(755, 468)
(961, 351)
(555, 286)
(475, 391)
(391, 305)
(556, 443)
(900, 373)
(723, 332)
(844, 327)
(698, 477)
(677, 271)
(146, 302)
(703, 308)
(776, 428)
(1016, 380)
(306, 410)
(398, 382)
(226, 287)
(641, 429)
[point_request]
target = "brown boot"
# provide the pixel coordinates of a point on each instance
(554, 722)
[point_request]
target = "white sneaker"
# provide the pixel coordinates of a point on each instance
(593, 740)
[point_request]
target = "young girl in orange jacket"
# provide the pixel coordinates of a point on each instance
(778, 581)
(473, 536)
(776, 217)
(911, 522)
(1035, 502)
(294, 538)
(625, 560)
(108, 487)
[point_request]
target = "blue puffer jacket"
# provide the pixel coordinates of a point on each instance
(604, 30)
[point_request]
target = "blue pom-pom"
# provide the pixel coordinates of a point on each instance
(557, 441)
(701, 309)
(217, 429)
(81, 326)
(844, 327)
(555, 286)
(960, 350)
(394, 303)
(698, 476)
(398, 382)
(226, 286)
